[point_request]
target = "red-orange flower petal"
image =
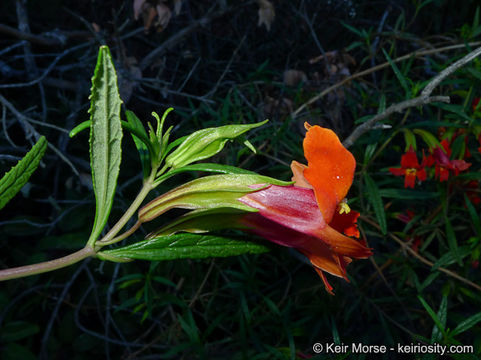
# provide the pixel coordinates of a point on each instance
(397, 171)
(346, 223)
(342, 244)
(298, 175)
(410, 160)
(410, 179)
(330, 168)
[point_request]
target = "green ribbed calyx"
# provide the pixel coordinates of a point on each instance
(205, 143)
(209, 192)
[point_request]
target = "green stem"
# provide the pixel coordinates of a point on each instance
(27, 270)
(110, 237)
(88, 250)
(122, 236)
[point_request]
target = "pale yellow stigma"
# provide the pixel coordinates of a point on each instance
(343, 207)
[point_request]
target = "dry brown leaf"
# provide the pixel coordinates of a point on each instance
(149, 14)
(138, 8)
(336, 64)
(157, 15)
(294, 77)
(266, 13)
(164, 14)
(177, 6)
(280, 107)
(96, 27)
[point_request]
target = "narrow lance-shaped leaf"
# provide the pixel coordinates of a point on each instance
(13, 181)
(183, 246)
(467, 324)
(376, 201)
(452, 241)
(397, 72)
(428, 138)
(105, 138)
(433, 315)
(205, 143)
(436, 334)
(134, 121)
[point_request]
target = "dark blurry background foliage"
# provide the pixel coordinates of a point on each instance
(222, 62)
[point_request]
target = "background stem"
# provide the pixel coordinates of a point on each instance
(42, 267)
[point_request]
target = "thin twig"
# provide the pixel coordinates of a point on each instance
(23, 26)
(47, 70)
(226, 70)
(423, 99)
(417, 53)
(376, 41)
(421, 258)
(399, 107)
(41, 39)
(448, 71)
(175, 39)
(21, 271)
(47, 330)
(100, 336)
(30, 130)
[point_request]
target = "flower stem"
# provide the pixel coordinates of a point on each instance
(110, 237)
(122, 236)
(46, 266)
(90, 249)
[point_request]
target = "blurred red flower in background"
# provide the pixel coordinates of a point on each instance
(410, 169)
(442, 164)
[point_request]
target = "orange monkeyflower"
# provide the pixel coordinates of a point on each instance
(410, 169)
(312, 216)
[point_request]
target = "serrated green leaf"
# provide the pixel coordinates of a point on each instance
(183, 246)
(382, 104)
(456, 109)
(436, 334)
(452, 242)
(13, 181)
(475, 219)
(397, 72)
(369, 152)
(205, 143)
(105, 138)
(352, 29)
(14, 351)
(407, 194)
(374, 197)
(451, 257)
(142, 149)
(474, 72)
(433, 315)
(467, 324)
(17, 330)
(470, 176)
(428, 138)
(409, 139)
(434, 124)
